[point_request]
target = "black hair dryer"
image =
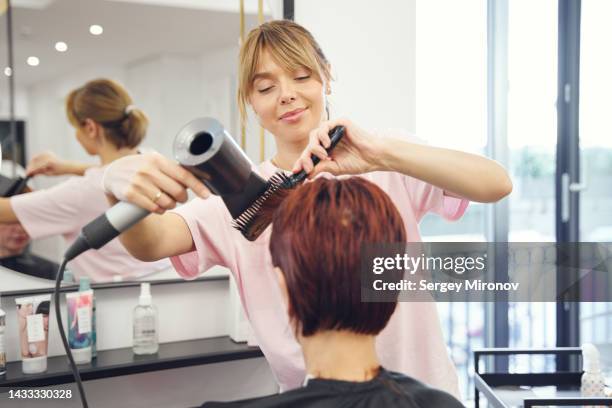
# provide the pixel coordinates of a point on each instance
(207, 150)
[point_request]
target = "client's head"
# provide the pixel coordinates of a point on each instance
(316, 242)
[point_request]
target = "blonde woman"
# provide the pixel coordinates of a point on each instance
(108, 126)
(285, 78)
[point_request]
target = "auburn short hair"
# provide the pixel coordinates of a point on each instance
(316, 241)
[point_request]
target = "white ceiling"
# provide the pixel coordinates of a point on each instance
(133, 30)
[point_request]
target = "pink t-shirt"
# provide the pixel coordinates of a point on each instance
(412, 342)
(67, 207)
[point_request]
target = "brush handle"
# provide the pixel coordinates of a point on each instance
(334, 135)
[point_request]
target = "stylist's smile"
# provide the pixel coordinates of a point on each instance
(292, 116)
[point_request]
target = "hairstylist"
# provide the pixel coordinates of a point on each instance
(285, 78)
(108, 126)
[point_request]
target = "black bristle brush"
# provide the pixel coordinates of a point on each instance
(256, 218)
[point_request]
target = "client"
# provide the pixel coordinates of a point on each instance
(316, 242)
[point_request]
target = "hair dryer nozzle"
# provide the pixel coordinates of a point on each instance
(207, 150)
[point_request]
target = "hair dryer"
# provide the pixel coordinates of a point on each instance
(208, 151)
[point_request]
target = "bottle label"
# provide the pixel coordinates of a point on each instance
(145, 327)
(592, 385)
(35, 328)
(84, 320)
(2, 352)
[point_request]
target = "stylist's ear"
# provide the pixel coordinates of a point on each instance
(90, 129)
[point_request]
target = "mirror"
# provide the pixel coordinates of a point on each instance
(176, 58)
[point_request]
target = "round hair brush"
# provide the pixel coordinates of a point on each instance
(256, 218)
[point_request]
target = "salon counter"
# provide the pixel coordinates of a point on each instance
(118, 362)
(510, 389)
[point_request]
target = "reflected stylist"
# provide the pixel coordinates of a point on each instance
(110, 127)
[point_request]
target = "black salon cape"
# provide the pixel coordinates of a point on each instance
(388, 389)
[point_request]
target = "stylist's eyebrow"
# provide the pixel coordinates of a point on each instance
(262, 75)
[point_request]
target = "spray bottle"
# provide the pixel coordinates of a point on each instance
(145, 323)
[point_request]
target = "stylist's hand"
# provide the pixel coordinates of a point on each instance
(45, 163)
(50, 165)
(356, 153)
(140, 178)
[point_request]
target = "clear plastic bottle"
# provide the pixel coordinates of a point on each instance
(145, 323)
(2, 345)
(592, 382)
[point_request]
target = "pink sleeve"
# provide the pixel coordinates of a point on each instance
(210, 225)
(427, 197)
(52, 211)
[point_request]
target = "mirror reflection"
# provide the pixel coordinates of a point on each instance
(121, 78)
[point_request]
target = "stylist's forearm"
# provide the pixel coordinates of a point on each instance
(7, 215)
(76, 168)
(464, 174)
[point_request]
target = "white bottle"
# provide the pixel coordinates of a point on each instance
(593, 383)
(145, 323)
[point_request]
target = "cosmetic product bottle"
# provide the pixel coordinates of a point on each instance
(79, 325)
(84, 285)
(2, 346)
(33, 323)
(592, 382)
(145, 323)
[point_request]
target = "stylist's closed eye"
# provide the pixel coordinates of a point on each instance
(265, 90)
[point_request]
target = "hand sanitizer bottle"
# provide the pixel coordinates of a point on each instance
(145, 323)
(592, 384)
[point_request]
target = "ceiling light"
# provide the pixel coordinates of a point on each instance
(61, 46)
(8, 71)
(33, 61)
(96, 29)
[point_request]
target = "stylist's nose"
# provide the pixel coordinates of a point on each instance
(287, 95)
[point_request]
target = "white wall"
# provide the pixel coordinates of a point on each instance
(372, 52)
(21, 102)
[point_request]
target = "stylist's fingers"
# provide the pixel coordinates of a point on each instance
(148, 187)
(183, 176)
(136, 195)
(37, 167)
(174, 190)
(318, 151)
(158, 198)
(314, 147)
(43, 163)
(322, 134)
